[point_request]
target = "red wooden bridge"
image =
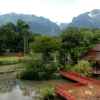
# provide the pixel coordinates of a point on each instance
(63, 93)
(78, 78)
(61, 89)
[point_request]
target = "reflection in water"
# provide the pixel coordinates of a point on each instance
(17, 94)
(12, 89)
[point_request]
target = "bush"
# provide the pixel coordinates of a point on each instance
(48, 93)
(32, 70)
(83, 67)
(68, 67)
(35, 69)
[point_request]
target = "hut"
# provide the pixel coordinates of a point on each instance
(94, 55)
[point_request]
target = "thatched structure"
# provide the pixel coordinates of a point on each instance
(94, 55)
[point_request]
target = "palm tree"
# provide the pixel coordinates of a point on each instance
(23, 29)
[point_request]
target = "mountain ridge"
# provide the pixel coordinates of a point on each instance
(88, 19)
(37, 24)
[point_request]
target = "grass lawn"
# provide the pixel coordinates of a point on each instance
(10, 66)
(10, 58)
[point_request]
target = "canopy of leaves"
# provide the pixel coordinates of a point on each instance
(75, 42)
(11, 36)
(45, 44)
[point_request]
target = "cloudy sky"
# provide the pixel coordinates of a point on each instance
(55, 10)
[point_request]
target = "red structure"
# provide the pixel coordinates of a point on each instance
(94, 55)
(78, 78)
(63, 89)
(63, 93)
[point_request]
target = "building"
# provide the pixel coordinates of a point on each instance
(94, 55)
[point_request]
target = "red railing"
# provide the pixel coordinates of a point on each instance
(63, 93)
(76, 77)
(62, 89)
(71, 85)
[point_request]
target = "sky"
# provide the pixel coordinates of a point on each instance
(56, 10)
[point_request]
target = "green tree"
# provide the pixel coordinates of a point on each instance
(70, 42)
(7, 37)
(75, 42)
(46, 45)
(23, 29)
(14, 38)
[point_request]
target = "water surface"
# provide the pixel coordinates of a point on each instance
(25, 90)
(12, 90)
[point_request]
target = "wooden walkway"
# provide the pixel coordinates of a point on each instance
(61, 89)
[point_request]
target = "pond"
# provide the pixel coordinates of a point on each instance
(25, 90)
(16, 94)
(12, 90)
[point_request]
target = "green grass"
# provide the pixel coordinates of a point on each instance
(7, 60)
(10, 66)
(10, 58)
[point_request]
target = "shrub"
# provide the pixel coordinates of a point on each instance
(32, 70)
(68, 67)
(83, 67)
(48, 93)
(35, 69)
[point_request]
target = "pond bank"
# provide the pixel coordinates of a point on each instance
(9, 84)
(26, 89)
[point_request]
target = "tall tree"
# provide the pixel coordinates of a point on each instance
(74, 42)
(23, 29)
(45, 45)
(7, 36)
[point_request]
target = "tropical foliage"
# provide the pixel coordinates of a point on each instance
(83, 67)
(38, 70)
(75, 42)
(48, 54)
(14, 38)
